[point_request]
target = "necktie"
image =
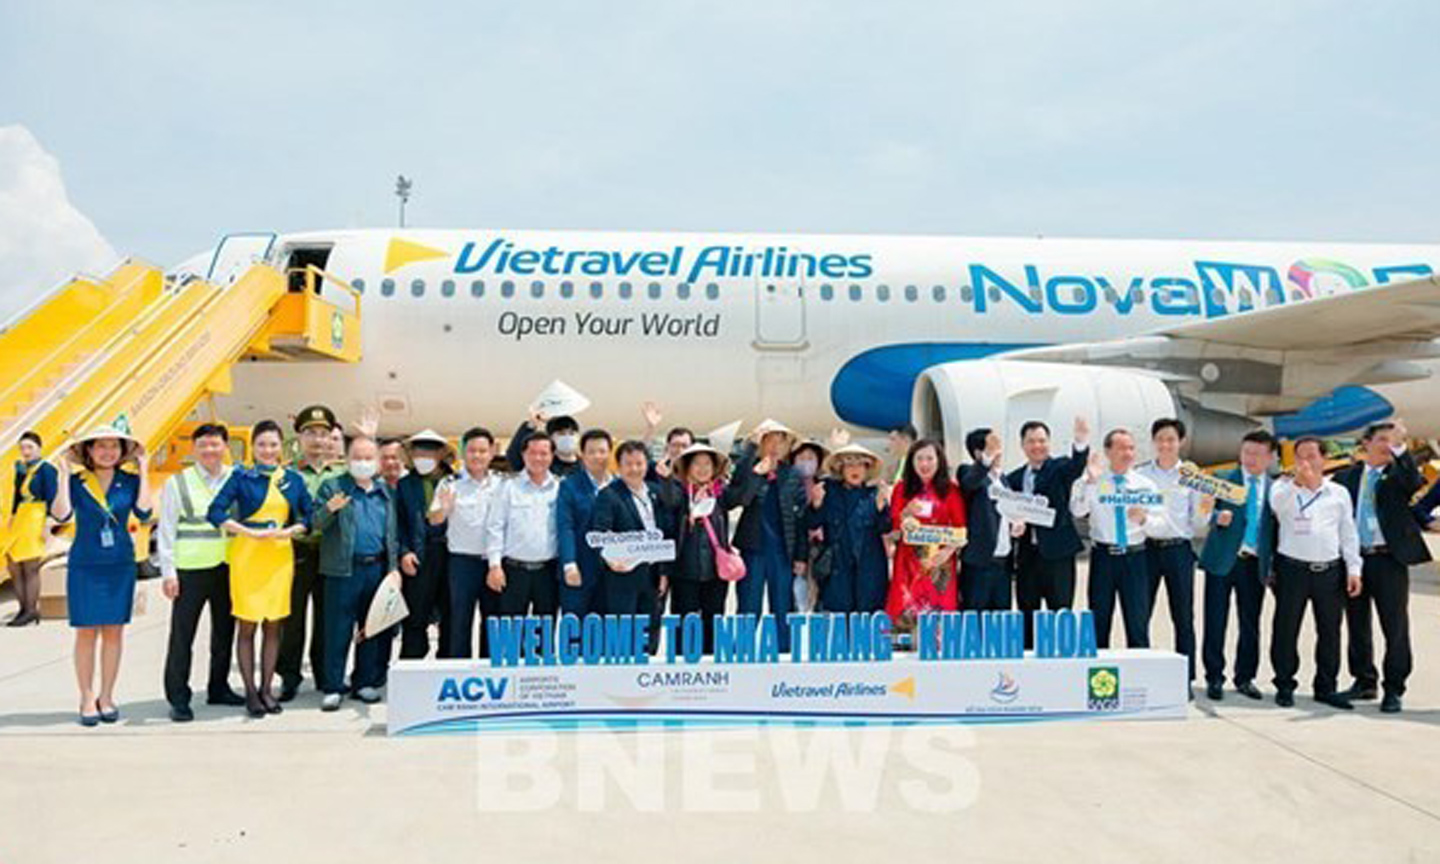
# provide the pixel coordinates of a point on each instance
(1122, 530)
(1366, 513)
(1252, 513)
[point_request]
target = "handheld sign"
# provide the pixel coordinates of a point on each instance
(387, 609)
(1131, 498)
(919, 534)
(631, 547)
(1020, 507)
(1191, 477)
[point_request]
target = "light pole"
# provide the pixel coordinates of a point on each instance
(402, 191)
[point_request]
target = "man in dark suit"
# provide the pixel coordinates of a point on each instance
(630, 503)
(1381, 484)
(985, 571)
(1238, 557)
(580, 576)
(1045, 557)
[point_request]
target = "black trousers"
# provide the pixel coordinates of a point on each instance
(530, 590)
(1297, 585)
(631, 594)
(1173, 564)
(1126, 576)
(1386, 587)
(707, 598)
(467, 590)
(199, 588)
(308, 588)
(1249, 590)
(985, 587)
(1038, 579)
(427, 592)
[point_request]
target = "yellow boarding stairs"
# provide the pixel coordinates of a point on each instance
(141, 350)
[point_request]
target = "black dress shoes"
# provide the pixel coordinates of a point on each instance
(289, 691)
(1249, 690)
(1285, 699)
(1337, 701)
(1390, 704)
(1214, 692)
(229, 697)
(1357, 693)
(183, 713)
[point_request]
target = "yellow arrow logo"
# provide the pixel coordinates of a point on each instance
(402, 252)
(905, 687)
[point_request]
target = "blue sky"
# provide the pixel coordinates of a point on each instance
(174, 123)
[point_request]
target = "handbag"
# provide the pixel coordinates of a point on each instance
(729, 566)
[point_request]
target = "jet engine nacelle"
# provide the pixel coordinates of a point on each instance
(952, 398)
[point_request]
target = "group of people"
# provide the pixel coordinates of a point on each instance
(291, 553)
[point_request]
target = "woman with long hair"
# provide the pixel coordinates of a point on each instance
(100, 571)
(924, 579)
(270, 506)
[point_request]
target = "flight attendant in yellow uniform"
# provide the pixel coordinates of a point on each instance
(263, 507)
(23, 542)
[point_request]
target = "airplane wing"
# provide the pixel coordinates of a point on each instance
(1279, 358)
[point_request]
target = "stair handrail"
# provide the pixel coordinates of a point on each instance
(25, 379)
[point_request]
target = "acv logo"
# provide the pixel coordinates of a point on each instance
(473, 689)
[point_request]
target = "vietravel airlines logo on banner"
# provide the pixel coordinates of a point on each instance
(961, 673)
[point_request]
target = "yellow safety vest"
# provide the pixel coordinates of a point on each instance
(198, 544)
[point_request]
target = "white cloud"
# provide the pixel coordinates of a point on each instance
(43, 238)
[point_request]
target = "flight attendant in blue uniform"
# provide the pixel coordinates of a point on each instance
(100, 578)
(263, 508)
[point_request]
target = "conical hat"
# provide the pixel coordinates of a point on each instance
(682, 462)
(811, 442)
(559, 399)
(130, 444)
(832, 469)
(431, 438)
(768, 426)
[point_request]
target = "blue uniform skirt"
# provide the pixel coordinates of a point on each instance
(100, 595)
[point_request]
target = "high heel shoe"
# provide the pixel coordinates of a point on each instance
(109, 715)
(254, 707)
(270, 705)
(89, 720)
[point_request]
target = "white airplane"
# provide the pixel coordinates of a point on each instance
(465, 327)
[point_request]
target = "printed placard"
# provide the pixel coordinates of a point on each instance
(1020, 507)
(917, 534)
(1132, 498)
(632, 547)
(1191, 477)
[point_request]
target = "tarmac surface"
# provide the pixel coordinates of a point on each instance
(1236, 780)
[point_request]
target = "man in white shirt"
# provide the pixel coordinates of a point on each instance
(1169, 539)
(1121, 504)
(522, 544)
(463, 502)
(193, 565)
(1317, 563)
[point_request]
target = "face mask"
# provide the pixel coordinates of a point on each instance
(806, 468)
(363, 469)
(567, 444)
(424, 464)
